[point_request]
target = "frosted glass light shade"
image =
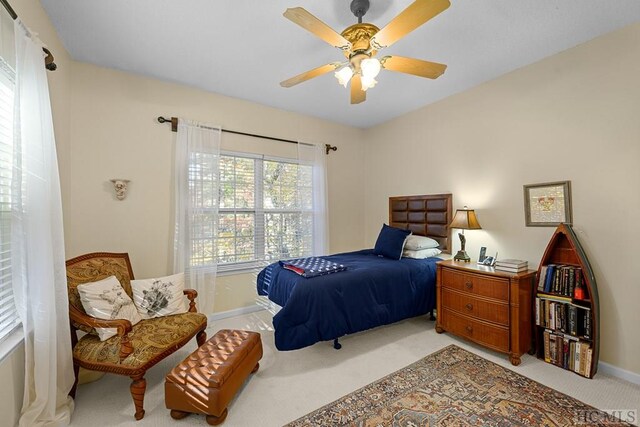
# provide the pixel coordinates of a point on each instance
(370, 68)
(368, 82)
(344, 75)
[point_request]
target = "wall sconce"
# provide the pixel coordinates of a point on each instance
(120, 186)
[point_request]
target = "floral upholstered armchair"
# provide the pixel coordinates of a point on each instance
(136, 348)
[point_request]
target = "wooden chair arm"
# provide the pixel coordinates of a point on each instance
(123, 327)
(191, 294)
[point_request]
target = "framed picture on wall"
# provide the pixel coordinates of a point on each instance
(547, 204)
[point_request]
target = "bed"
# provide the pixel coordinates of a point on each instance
(373, 291)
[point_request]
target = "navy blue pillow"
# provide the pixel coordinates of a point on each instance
(391, 242)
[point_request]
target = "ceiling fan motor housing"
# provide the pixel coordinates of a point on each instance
(359, 8)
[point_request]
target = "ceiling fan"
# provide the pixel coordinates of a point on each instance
(362, 41)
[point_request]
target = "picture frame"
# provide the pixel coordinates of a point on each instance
(547, 204)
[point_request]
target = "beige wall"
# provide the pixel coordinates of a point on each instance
(114, 134)
(573, 116)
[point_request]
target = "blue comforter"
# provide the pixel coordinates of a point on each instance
(373, 291)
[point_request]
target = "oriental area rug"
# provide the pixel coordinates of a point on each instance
(454, 387)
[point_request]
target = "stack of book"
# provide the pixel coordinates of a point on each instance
(512, 265)
(560, 279)
(568, 352)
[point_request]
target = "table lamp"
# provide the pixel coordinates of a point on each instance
(464, 219)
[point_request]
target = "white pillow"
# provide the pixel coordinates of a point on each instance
(415, 243)
(160, 297)
(107, 299)
(421, 254)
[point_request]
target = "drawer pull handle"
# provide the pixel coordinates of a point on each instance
(469, 285)
(469, 329)
(469, 306)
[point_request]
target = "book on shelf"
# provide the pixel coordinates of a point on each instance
(548, 281)
(563, 316)
(567, 352)
(560, 279)
(541, 278)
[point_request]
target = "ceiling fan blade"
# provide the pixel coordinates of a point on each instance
(307, 75)
(357, 94)
(419, 12)
(417, 67)
(310, 23)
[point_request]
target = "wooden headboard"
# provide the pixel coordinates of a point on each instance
(426, 215)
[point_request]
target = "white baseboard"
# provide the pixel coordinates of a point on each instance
(617, 372)
(235, 312)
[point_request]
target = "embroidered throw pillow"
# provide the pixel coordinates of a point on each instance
(106, 299)
(159, 297)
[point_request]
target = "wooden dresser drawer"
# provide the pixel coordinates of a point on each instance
(492, 287)
(473, 306)
(494, 336)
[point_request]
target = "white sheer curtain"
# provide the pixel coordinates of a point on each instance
(38, 269)
(315, 155)
(197, 186)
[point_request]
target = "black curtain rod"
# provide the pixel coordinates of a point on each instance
(48, 60)
(174, 128)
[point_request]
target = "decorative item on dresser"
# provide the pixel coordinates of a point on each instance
(567, 310)
(489, 307)
(464, 219)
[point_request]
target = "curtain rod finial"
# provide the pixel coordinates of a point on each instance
(330, 147)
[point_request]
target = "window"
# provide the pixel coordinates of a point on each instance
(8, 315)
(265, 212)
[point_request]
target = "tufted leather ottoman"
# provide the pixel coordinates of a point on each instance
(207, 380)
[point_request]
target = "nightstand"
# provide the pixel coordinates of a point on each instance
(489, 307)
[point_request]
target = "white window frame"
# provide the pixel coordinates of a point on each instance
(259, 213)
(12, 337)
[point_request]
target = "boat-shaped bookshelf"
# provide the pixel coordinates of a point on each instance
(567, 319)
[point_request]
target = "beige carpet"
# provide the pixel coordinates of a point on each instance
(292, 384)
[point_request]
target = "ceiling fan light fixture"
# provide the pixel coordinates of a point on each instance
(344, 75)
(368, 82)
(370, 68)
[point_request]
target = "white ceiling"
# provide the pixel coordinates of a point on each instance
(243, 48)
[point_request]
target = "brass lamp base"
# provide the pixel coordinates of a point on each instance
(462, 256)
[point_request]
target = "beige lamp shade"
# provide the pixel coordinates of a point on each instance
(465, 219)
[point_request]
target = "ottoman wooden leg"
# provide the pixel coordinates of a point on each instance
(138, 387)
(212, 420)
(255, 368)
(178, 415)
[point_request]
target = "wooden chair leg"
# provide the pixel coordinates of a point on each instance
(138, 387)
(201, 338)
(76, 373)
(255, 368)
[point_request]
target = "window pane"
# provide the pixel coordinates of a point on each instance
(288, 235)
(235, 240)
(282, 185)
